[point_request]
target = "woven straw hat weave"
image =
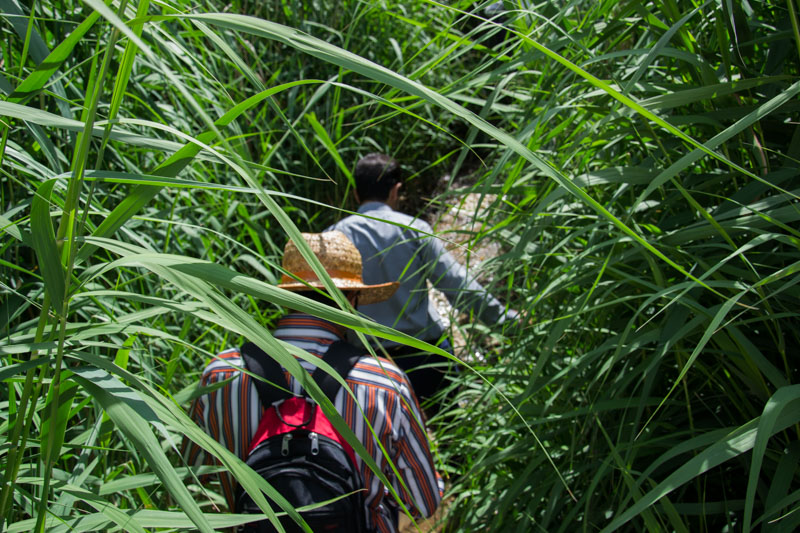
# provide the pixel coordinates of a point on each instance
(342, 262)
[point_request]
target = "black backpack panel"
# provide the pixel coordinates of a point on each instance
(294, 454)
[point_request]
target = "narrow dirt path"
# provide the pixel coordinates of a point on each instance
(457, 224)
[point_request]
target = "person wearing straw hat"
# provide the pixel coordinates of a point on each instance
(381, 391)
(396, 246)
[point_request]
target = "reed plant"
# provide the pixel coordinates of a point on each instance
(643, 164)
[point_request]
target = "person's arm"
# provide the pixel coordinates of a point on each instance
(414, 460)
(452, 279)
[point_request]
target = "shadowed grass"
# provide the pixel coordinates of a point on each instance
(644, 159)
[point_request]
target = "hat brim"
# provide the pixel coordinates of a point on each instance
(367, 294)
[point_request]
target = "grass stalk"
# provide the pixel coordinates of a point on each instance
(67, 236)
(621, 241)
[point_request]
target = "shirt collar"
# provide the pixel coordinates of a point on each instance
(373, 205)
(309, 326)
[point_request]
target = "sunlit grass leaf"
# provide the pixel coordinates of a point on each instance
(131, 416)
(14, 230)
(172, 166)
(219, 276)
(44, 242)
(37, 80)
(145, 518)
(146, 480)
(50, 120)
(329, 145)
(620, 140)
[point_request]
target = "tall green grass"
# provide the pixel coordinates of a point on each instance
(657, 367)
(157, 156)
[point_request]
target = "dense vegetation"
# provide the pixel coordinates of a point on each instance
(156, 156)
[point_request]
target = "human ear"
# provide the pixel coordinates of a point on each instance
(394, 195)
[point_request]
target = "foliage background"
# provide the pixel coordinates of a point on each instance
(156, 157)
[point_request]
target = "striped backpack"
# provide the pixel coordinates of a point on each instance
(299, 452)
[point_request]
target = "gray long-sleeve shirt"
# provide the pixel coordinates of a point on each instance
(410, 255)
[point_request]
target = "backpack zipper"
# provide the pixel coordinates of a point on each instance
(285, 444)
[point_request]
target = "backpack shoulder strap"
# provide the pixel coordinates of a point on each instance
(342, 356)
(262, 365)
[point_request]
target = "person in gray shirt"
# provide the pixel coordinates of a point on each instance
(395, 246)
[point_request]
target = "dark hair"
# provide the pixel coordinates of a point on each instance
(375, 176)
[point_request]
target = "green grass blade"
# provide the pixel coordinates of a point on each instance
(775, 406)
(36, 80)
(739, 441)
(182, 157)
(44, 243)
(329, 145)
(128, 413)
(344, 59)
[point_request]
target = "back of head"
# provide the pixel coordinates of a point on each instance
(375, 176)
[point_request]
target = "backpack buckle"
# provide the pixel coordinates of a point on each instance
(307, 421)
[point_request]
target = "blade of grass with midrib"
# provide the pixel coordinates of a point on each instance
(332, 54)
(739, 441)
(143, 194)
(116, 399)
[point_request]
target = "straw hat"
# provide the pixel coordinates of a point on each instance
(342, 262)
